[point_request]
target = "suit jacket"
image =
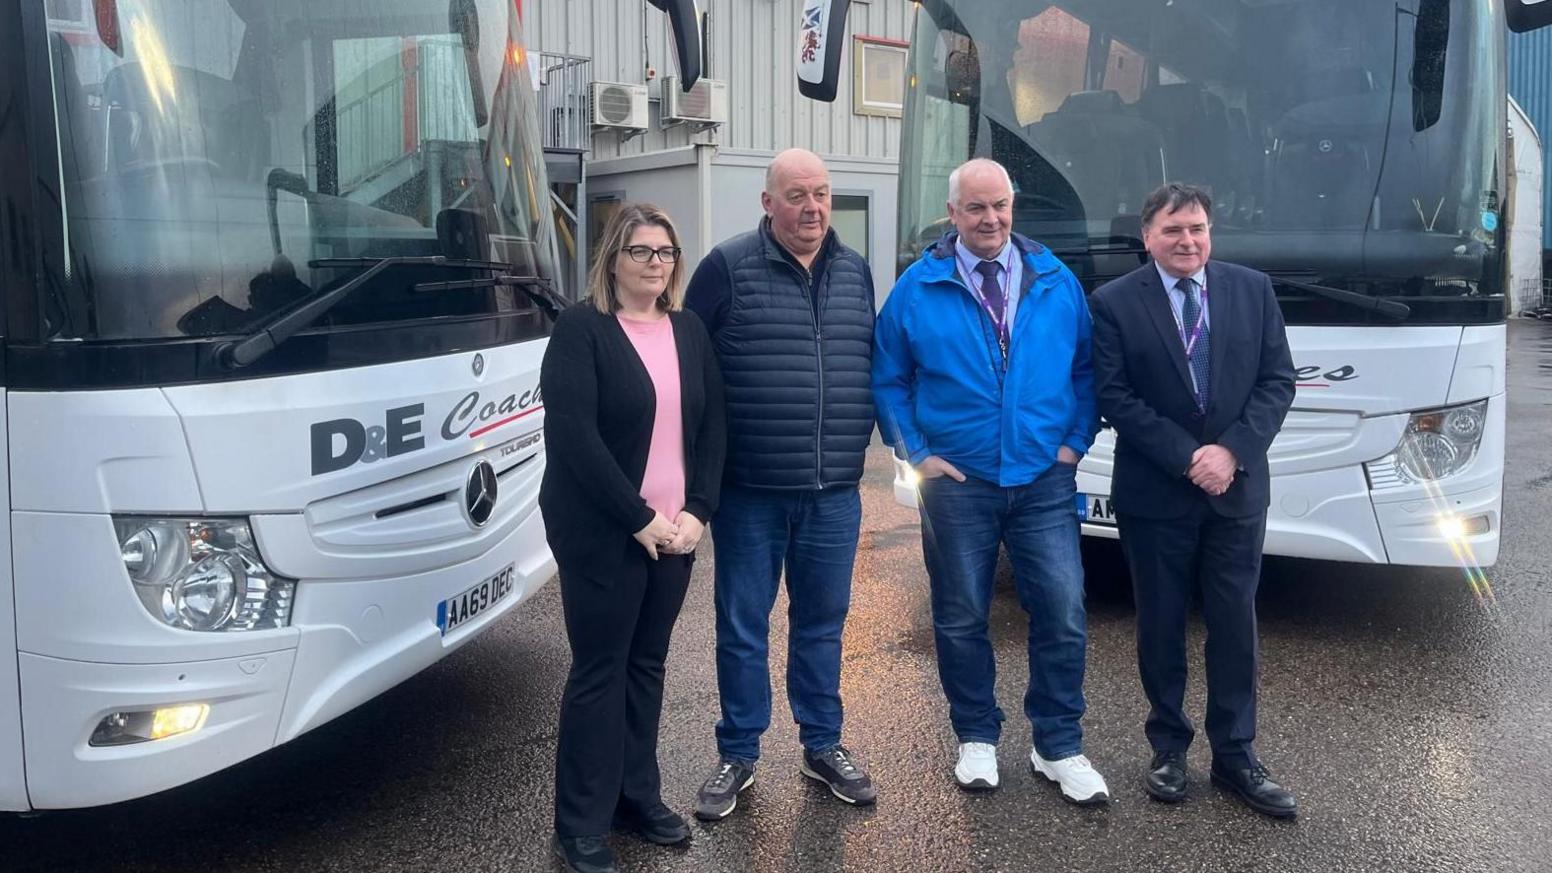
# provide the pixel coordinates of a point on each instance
(1144, 387)
(599, 406)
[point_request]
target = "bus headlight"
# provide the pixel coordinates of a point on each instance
(1437, 443)
(202, 574)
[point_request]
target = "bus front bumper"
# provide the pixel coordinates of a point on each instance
(348, 642)
(1332, 515)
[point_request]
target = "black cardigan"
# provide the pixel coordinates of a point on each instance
(599, 405)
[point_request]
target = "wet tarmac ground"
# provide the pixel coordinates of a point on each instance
(1413, 721)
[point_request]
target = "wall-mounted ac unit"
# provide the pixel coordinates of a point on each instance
(618, 105)
(706, 103)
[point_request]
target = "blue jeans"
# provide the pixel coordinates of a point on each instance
(757, 532)
(963, 523)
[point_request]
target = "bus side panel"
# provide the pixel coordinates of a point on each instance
(13, 781)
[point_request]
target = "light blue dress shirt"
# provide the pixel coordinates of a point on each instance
(1012, 275)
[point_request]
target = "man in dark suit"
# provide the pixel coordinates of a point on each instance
(1193, 371)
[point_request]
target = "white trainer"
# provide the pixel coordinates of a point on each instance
(1080, 782)
(977, 767)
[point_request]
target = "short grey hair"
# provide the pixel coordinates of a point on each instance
(953, 178)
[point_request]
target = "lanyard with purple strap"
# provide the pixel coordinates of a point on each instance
(998, 313)
(1188, 341)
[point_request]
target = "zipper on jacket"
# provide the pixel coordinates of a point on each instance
(811, 291)
(813, 312)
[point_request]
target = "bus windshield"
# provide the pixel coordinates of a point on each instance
(220, 160)
(1343, 141)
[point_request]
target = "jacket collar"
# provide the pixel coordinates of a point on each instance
(1037, 259)
(775, 252)
(1029, 250)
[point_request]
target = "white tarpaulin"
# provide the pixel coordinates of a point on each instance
(1525, 219)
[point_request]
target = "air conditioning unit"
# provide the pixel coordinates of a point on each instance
(618, 105)
(705, 104)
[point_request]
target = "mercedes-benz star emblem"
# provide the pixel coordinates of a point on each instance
(479, 364)
(479, 494)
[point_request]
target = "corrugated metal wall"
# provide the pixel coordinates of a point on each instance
(753, 46)
(1530, 83)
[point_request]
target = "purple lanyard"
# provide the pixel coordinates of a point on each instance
(1196, 330)
(999, 322)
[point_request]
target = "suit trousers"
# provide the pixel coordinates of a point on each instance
(1170, 561)
(619, 629)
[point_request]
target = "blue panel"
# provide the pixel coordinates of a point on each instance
(1530, 83)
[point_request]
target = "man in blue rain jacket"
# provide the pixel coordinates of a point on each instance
(983, 383)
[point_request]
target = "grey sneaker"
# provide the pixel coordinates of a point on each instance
(719, 794)
(835, 768)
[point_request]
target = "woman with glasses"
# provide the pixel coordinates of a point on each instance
(634, 430)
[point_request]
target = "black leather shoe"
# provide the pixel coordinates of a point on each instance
(1167, 779)
(657, 824)
(583, 854)
(1255, 787)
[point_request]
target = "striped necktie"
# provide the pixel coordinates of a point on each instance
(1190, 314)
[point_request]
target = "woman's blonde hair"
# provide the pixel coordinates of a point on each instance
(616, 236)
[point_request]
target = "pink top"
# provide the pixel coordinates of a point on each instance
(663, 485)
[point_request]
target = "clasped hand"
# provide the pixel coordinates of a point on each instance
(678, 537)
(1212, 469)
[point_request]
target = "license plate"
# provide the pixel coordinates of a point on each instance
(459, 610)
(1097, 510)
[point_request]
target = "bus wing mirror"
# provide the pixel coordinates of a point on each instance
(1527, 15)
(464, 19)
(684, 19)
(821, 34)
(962, 77)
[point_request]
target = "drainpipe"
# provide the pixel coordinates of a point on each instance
(703, 155)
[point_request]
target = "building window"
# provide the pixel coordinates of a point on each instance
(878, 76)
(1049, 64)
(600, 209)
(849, 217)
(1125, 71)
(70, 16)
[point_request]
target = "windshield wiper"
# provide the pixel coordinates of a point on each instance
(261, 341)
(538, 289)
(1392, 309)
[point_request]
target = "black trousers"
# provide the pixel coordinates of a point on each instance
(619, 628)
(1170, 560)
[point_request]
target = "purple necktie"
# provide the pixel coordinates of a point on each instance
(991, 292)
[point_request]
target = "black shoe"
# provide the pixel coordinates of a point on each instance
(719, 794)
(656, 824)
(1255, 787)
(1166, 779)
(835, 769)
(583, 854)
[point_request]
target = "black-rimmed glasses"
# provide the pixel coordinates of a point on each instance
(643, 254)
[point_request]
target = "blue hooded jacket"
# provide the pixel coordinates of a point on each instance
(942, 389)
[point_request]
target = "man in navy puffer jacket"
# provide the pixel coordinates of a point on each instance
(790, 312)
